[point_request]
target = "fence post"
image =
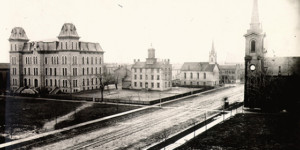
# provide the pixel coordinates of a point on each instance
(205, 121)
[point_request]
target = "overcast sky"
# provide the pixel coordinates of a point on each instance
(179, 30)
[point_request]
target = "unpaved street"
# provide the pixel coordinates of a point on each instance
(140, 131)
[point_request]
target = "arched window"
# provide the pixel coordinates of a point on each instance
(252, 46)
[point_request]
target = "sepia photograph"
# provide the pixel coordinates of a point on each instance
(149, 74)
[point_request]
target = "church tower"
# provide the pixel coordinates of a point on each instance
(254, 55)
(212, 55)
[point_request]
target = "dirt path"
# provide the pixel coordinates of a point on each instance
(50, 125)
(139, 131)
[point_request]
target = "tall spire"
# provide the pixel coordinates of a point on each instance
(212, 54)
(255, 24)
(213, 47)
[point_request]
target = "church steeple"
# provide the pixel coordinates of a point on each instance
(255, 23)
(212, 54)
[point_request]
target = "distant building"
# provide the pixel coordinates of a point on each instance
(123, 76)
(230, 73)
(110, 68)
(270, 83)
(176, 74)
(66, 65)
(4, 76)
(151, 74)
(201, 73)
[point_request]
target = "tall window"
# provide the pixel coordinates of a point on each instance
(204, 76)
(82, 60)
(252, 46)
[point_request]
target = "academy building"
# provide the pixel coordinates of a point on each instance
(66, 65)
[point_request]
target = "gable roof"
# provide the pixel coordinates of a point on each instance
(288, 65)
(227, 67)
(198, 66)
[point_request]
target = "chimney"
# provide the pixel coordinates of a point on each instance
(134, 61)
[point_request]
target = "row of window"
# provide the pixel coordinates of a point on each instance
(35, 71)
(55, 60)
(66, 45)
(92, 71)
(92, 60)
(75, 71)
(87, 81)
(228, 71)
(167, 84)
(28, 60)
(146, 77)
(198, 75)
(152, 70)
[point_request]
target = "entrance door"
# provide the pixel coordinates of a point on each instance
(25, 82)
(35, 83)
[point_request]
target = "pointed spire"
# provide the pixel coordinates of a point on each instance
(213, 47)
(255, 24)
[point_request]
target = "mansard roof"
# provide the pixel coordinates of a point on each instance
(53, 46)
(18, 33)
(198, 66)
(68, 30)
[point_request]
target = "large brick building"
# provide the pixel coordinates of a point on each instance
(151, 74)
(201, 73)
(68, 65)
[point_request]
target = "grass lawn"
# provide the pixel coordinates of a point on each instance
(21, 115)
(94, 112)
(251, 131)
(139, 95)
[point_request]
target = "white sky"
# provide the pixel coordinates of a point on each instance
(180, 30)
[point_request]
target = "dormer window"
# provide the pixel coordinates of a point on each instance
(253, 46)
